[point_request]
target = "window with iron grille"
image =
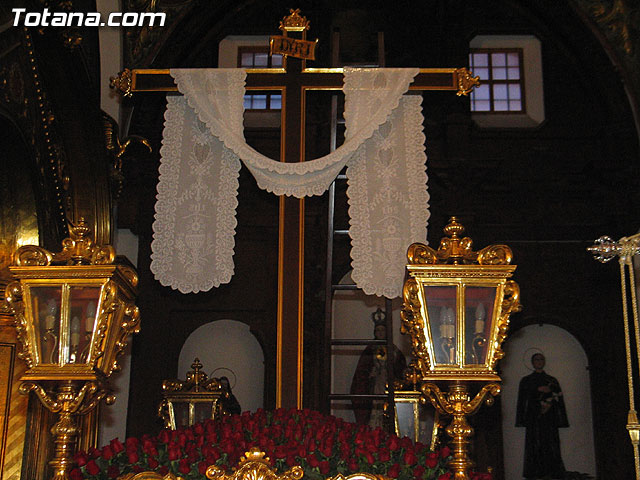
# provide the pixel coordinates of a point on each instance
(258, 57)
(502, 83)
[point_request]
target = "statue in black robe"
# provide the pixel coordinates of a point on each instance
(370, 376)
(541, 411)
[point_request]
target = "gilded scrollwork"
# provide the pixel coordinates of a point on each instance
(495, 255)
(32, 255)
(413, 325)
(15, 306)
(79, 249)
(458, 403)
(621, 18)
(149, 476)
(466, 81)
(455, 249)
(122, 83)
(510, 304)
(254, 466)
(421, 254)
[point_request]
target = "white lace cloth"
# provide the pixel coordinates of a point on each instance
(215, 98)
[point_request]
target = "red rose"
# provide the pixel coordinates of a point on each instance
(81, 459)
(202, 468)
(116, 446)
(153, 463)
(418, 471)
(353, 465)
(394, 471)
(384, 456)
(174, 452)
(133, 457)
(92, 468)
(445, 476)
(94, 452)
(369, 457)
(163, 470)
(410, 458)
(280, 451)
(394, 443)
(327, 450)
(324, 467)
(131, 444)
(107, 452)
(445, 452)
(164, 436)
(113, 471)
(75, 474)
(313, 461)
(183, 466)
(198, 429)
(291, 461)
(431, 461)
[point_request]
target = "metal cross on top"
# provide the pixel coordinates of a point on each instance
(294, 79)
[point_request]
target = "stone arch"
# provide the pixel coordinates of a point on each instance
(223, 346)
(567, 361)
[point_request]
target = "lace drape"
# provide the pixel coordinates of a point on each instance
(206, 142)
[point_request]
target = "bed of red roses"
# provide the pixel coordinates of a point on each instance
(322, 445)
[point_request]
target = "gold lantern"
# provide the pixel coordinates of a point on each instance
(73, 312)
(456, 308)
(193, 400)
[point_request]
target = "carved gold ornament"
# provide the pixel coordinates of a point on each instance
(254, 466)
(123, 83)
(466, 81)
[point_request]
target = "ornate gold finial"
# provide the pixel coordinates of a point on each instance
(196, 380)
(456, 250)
(77, 249)
(122, 83)
(294, 22)
(466, 81)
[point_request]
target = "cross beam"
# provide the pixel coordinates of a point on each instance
(293, 80)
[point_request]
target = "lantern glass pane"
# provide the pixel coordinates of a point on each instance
(181, 413)
(479, 302)
(202, 411)
(83, 304)
(46, 303)
(441, 310)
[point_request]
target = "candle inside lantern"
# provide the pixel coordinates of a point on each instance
(75, 332)
(91, 314)
(447, 327)
(50, 318)
(480, 316)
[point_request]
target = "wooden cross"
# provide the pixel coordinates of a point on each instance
(294, 79)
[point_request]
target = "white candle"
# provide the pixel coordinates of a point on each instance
(91, 314)
(447, 331)
(50, 319)
(75, 332)
(480, 316)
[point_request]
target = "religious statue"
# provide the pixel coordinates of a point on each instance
(228, 401)
(370, 376)
(541, 411)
